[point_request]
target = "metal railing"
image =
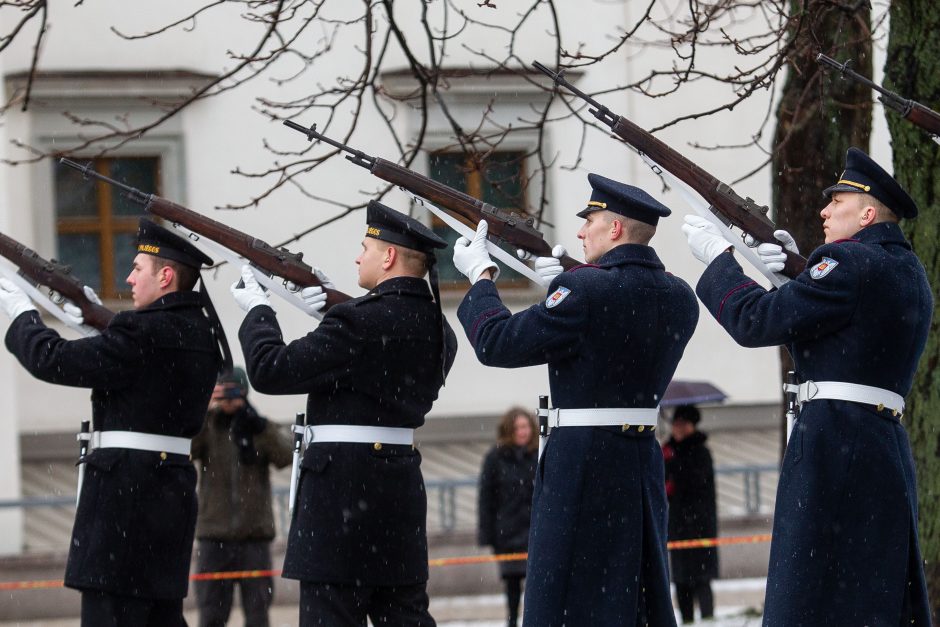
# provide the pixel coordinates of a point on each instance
(751, 476)
(444, 501)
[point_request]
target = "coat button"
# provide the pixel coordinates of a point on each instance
(625, 428)
(377, 446)
(163, 455)
(880, 406)
(641, 428)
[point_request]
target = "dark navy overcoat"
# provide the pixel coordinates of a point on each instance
(612, 335)
(845, 548)
(373, 361)
(151, 370)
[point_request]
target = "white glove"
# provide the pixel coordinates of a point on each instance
(74, 312)
(314, 297)
(13, 300)
(471, 258)
(705, 240)
(250, 294)
(772, 254)
(546, 267)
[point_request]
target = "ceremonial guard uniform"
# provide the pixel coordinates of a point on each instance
(612, 333)
(151, 371)
(845, 548)
(371, 370)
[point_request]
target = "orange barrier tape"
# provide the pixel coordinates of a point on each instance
(708, 542)
(477, 559)
(233, 574)
(441, 561)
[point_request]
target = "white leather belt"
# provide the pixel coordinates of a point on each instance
(141, 441)
(857, 393)
(358, 434)
(604, 417)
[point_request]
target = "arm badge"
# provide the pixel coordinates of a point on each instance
(823, 268)
(556, 297)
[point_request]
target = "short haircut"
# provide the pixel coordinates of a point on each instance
(414, 261)
(186, 276)
(885, 213)
(635, 232)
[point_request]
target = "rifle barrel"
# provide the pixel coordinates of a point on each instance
(87, 172)
(893, 100)
(356, 156)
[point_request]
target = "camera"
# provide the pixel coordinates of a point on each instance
(232, 392)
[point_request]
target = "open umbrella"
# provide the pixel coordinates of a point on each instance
(682, 392)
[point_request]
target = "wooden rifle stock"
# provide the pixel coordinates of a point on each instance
(56, 276)
(510, 227)
(910, 110)
(275, 261)
(743, 213)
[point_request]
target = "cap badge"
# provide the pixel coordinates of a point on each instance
(556, 297)
(148, 248)
(823, 268)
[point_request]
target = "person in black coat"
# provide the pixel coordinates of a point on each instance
(845, 548)
(690, 487)
(151, 372)
(371, 370)
(505, 504)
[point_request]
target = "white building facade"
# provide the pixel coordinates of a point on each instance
(87, 70)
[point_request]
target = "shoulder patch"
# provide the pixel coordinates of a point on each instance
(556, 297)
(824, 267)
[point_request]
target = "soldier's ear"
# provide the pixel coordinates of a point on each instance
(167, 274)
(868, 216)
(616, 229)
(391, 254)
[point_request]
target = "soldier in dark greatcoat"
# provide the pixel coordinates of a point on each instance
(612, 332)
(845, 548)
(371, 370)
(151, 371)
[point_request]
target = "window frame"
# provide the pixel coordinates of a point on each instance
(474, 187)
(104, 222)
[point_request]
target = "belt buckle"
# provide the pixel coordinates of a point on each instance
(808, 391)
(554, 417)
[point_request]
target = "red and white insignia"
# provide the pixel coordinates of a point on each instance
(556, 297)
(823, 268)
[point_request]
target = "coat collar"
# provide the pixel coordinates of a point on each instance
(174, 300)
(402, 286)
(882, 233)
(630, 254)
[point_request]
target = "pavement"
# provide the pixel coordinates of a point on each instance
(737, 604)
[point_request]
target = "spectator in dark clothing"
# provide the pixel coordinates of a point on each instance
(506, 484)
(235, 526)
(690, 487)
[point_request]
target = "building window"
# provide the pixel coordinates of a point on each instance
(500, 181)
(96, 226)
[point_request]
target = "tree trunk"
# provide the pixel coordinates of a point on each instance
(818, 118)
(913, 71)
